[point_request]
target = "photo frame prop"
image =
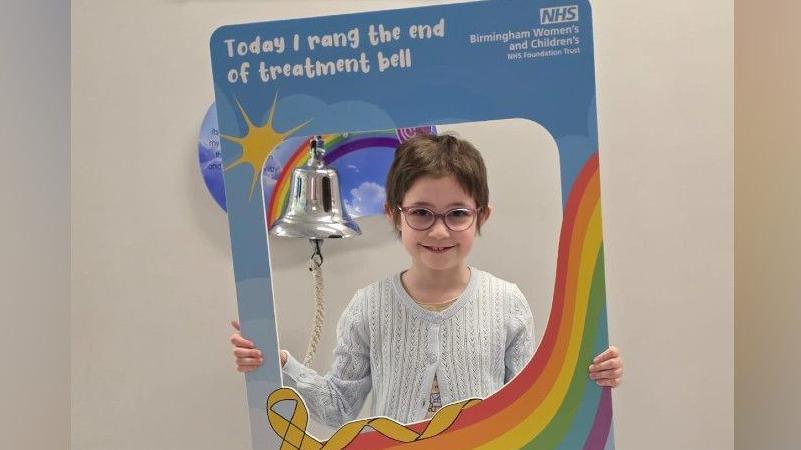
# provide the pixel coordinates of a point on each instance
(400, 70)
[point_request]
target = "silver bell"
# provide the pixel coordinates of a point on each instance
(315, 209)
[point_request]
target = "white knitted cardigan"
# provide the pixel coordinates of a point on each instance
(387, 342)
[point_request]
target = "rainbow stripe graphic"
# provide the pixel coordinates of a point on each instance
(552, 403)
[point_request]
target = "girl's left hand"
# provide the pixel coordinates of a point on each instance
(607, 368)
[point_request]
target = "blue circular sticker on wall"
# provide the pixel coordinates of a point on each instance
(210, 156)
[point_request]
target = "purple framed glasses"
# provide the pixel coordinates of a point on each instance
(455, 219)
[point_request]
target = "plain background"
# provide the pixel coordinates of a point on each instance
(155, 372)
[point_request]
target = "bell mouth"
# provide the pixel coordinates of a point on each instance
(286, 227)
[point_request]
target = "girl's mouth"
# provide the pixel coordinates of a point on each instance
(434, 249)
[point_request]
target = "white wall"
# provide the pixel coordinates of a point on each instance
(34, 225)
(152, 285)
(665, 85)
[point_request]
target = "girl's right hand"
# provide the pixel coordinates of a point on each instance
(248, 357)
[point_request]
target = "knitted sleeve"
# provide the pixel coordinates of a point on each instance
(519, 333)
(338, 396)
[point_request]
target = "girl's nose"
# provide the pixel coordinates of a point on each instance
(439, 230)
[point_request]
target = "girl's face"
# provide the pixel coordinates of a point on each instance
(438, 248)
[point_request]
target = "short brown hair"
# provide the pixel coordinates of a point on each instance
(437, 156)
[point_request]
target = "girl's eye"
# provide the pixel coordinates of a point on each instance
(459, 213)
(419, 212)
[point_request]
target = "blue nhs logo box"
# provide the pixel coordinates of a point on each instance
(559, 14)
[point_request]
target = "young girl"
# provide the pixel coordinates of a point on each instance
(438, 332)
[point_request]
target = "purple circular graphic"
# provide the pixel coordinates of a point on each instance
(406, 133)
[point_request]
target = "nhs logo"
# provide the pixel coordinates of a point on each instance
(559, 14)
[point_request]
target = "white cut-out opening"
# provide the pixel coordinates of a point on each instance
(519, 242)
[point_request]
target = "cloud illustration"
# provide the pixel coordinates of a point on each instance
(367, 199)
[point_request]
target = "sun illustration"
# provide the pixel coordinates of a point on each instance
(258, 142)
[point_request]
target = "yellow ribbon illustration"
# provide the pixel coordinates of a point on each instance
(293, 431)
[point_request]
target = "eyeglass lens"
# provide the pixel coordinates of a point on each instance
(458, 219)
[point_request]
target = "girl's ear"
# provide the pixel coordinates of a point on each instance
(388, 214)
(484, 214)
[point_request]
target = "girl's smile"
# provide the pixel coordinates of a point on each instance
(435, 249)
